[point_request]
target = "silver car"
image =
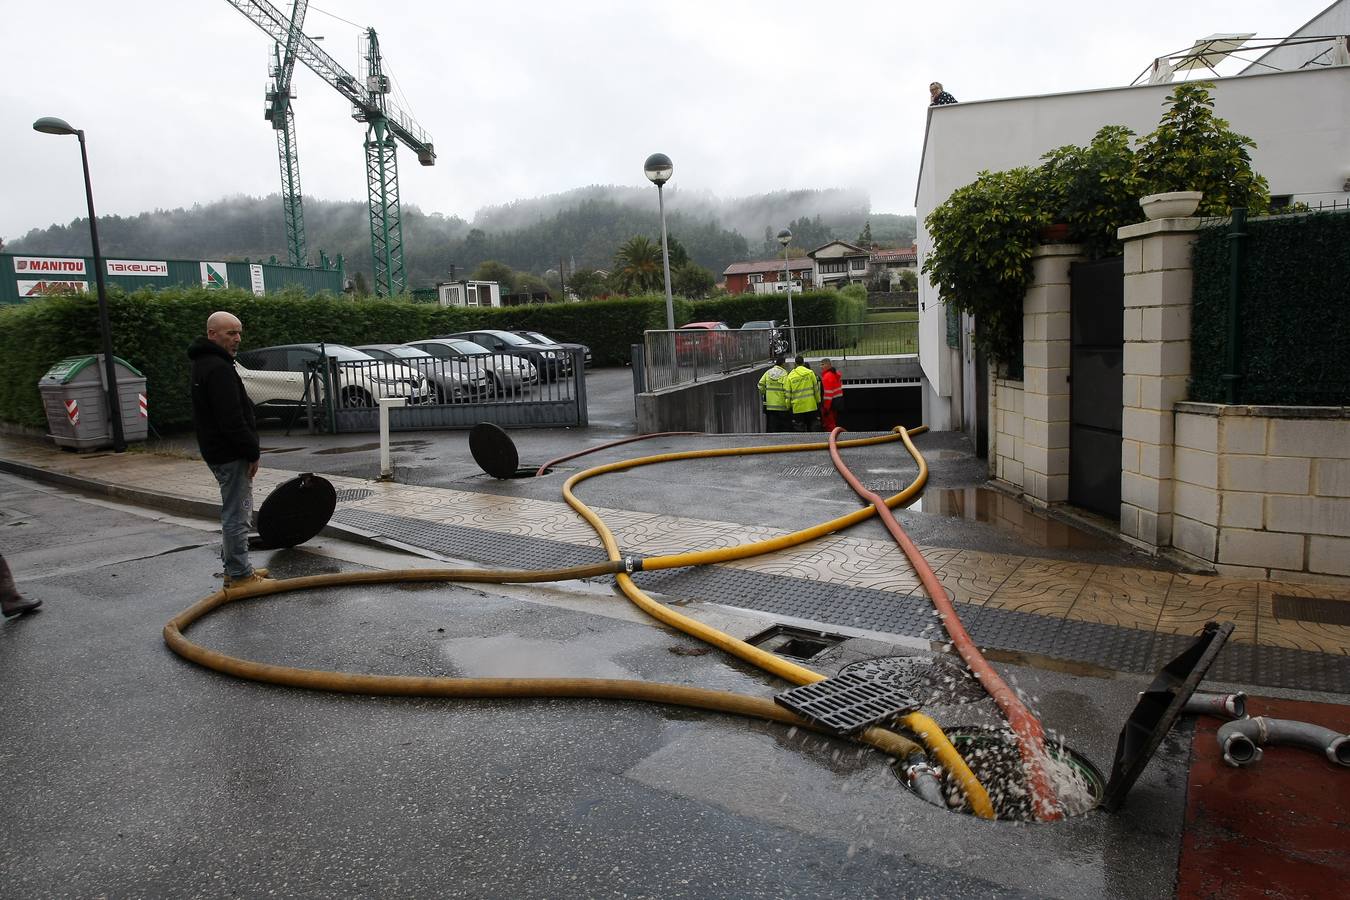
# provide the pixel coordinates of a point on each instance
(509, 373)
(454, 381)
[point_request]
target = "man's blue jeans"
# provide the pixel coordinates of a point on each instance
(236, 510)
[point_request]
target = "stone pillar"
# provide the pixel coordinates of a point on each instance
(1156, 370)
(1045, 375)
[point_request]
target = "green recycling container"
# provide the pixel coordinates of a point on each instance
(74, 398)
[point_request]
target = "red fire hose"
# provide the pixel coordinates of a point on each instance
(1030, 737)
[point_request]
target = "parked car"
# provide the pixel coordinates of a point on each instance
(550, 360)
(453, 382)
(778, 342)
(275, 376)
(539, 338)
(699, 337)
(509, 373)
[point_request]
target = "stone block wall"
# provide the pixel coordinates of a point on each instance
(1263, 492)
(1005, 456)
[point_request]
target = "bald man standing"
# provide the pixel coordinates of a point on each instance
(227, 437)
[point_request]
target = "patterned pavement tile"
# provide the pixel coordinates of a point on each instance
(1127, 598)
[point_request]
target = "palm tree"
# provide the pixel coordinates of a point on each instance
(637, 267)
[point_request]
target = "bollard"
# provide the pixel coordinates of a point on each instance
(386, 403)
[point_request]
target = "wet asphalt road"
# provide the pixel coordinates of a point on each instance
(129, 772)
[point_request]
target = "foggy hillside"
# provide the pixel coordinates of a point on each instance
(581, 228)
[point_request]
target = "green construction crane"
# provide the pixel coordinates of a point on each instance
(386, 127)
(282, 116)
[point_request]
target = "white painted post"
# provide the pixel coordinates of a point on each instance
(386, 403)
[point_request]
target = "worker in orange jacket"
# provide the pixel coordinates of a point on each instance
(832, 390)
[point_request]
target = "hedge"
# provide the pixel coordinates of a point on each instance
(1293, 312)
(151, 330)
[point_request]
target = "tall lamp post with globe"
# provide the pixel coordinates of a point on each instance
(658, 168)
(785, 238)
(53, 125)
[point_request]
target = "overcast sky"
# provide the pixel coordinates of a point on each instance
(524, 98)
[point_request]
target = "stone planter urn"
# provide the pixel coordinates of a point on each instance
(1171, 205)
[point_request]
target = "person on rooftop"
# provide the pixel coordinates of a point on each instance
(940, 97)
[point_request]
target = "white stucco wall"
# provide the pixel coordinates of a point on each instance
(1299, 120)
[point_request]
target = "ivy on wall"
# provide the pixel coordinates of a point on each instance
(1293, 312)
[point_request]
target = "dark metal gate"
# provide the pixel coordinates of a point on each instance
(1096, 358)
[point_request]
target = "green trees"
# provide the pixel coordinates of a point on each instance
(985, 232)
(638, 267)
(491, 270)
(1194, 150)
(587, 284)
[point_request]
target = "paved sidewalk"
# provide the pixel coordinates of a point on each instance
(1030, 608)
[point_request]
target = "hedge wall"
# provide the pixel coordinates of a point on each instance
(1293, 312)
(151, 330)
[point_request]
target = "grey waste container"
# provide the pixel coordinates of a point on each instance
(73, 396)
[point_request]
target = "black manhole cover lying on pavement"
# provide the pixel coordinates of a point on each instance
(1158, 708)
(295, 511)
(847, 702)
(931, 680)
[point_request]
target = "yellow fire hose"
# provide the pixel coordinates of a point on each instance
(615, 689)
(928, 731)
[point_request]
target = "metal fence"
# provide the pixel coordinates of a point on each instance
(507, 390)
(685, 356)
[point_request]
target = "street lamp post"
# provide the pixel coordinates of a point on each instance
(785, 238)
(52, 125)
(658, 169)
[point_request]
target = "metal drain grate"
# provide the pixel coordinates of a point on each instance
(807, 472)
(929, 680)
(888, 486)
(1325, 610)
(351, 495)
(847, 703)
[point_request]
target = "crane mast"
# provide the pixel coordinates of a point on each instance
(282, 116)
(386, 127)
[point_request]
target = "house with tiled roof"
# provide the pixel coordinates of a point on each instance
(839, 263)
(766, 276)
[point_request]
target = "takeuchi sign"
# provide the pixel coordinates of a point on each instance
(156, 268)
(48, 265)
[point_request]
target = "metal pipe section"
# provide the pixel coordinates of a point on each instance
(1231, 706)
(1241, 741)
(923, 780)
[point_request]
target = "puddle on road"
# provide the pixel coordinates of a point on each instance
(365, 448)
(1007, 514)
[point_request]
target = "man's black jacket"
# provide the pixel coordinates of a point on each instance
(221, 410)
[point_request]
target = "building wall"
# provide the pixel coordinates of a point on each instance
(1299, 120)
(1263, 492)
(1334, 20)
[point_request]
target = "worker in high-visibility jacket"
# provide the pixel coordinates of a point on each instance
(803, 391)
(773, 397)
(832, 395)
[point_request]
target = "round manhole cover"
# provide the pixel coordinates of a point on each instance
(933, 681)
(296, 511)
(493, 450)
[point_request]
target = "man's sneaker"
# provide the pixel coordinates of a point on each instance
(17, 606)
(258, 571)
(259, 576)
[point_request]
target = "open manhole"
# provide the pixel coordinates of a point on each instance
(994, 758)
(931, 680)
(798, 643)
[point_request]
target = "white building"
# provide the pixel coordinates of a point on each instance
(1299, 119)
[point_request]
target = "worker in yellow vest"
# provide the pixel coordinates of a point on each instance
(773, 397)
(803, 392)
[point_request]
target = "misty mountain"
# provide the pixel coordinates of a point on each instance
(581, 228)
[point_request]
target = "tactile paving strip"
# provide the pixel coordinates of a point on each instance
(1110, 646)
(491, 547)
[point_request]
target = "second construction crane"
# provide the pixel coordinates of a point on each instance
(386, 127)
